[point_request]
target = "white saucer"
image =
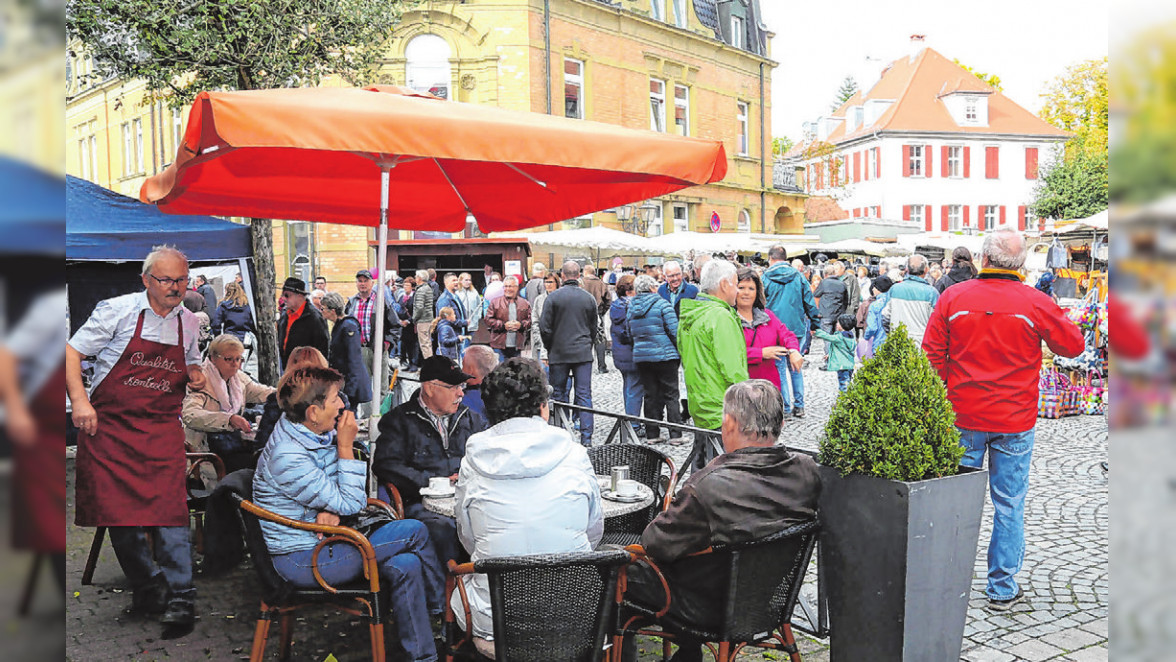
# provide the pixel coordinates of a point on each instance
(437, 495)
(608, 494)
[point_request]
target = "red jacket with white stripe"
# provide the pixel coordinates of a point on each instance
(984, 338)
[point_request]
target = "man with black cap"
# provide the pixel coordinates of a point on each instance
(362, 307)
(426, 438)
(301, 324)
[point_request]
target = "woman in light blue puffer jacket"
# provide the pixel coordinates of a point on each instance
(308, 472)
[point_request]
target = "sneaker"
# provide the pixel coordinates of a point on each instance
(1005, 605)
(798, 412)
(151, 598)
(179, 620)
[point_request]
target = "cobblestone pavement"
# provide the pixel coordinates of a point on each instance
(1064, 576)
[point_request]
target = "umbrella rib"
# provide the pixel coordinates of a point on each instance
(512, 167)
(455, 191)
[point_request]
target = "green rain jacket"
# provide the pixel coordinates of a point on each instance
(714, 356)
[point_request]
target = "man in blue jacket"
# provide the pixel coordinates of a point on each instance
(676, 288)
(790, 298)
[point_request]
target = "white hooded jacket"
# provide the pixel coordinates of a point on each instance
(525, 487)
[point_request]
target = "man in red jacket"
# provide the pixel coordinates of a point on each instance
(984, 338)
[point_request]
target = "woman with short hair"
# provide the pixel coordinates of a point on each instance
(346, 351)
(308, 472)
(653, 326)
(525, 487)
(622, 350)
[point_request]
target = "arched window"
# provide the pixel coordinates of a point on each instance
(744, 221)
(428, 65)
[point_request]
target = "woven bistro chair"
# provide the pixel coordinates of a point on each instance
(763, 579)
(545, 607)
(648, 466)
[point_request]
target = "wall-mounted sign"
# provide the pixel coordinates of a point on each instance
(716, 223)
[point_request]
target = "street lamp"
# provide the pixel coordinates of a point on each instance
(648, 216)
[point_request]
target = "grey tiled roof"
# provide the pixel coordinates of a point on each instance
(707, 13)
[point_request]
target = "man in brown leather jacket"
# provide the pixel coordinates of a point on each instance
(752, 491)
(599, 290)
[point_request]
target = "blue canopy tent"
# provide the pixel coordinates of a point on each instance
(32, 217)
(108, 235)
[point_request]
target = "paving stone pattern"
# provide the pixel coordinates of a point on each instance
(1065, 572)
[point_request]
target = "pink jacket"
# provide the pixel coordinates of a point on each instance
(765, 330)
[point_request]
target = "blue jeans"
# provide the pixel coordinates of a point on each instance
(504, 354)
(796, 378)
(170, 553)
(407, 565)
(634, 394)
(581, 373)
(843, 377)
(442, 529)
(1008, 480)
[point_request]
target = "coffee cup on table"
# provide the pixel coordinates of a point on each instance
(439, 485)
(626, 488)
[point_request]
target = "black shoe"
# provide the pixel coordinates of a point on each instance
(798, 412)
(179, 619)
(1005, 605)
(150, 598)
(1105, 466)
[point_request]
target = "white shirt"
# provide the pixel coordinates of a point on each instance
(112, 325)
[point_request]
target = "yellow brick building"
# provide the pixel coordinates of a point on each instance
(688, 66)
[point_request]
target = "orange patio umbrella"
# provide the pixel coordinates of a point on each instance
(392, 158)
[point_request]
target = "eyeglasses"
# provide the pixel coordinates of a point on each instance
(452, 387)
(170, 281)
(232, 359)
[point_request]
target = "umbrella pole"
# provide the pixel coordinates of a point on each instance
(378, 333)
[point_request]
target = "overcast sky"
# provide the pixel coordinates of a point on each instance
(1025, 42)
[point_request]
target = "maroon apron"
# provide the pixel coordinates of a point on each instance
(132, 472)
(38, 483)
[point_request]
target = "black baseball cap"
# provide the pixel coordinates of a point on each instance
(363, 273)
(442, 368)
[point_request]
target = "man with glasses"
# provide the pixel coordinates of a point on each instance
(426, 438)
(130, 461)
(301, 324)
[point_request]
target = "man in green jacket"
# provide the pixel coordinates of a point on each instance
(714, 354)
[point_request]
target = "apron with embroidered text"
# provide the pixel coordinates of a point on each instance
(131, 473)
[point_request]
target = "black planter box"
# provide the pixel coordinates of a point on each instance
(898, 560)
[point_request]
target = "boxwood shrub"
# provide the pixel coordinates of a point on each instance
(894, 421)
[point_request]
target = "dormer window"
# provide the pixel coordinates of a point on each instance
(737, 31)
(970, 114)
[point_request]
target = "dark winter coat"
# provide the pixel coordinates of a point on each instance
(790, 298)
(209, 295)
(447, 339)
(622, 342)
(689, 291)
(654, 328)
(409, 450)
(347, 358)
(569, 324)
(834, 299)
(309, 330)
(957, 274)
(231, 318)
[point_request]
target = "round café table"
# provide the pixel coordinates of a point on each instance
(612, 508)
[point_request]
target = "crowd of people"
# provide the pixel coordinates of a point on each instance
(735, 334)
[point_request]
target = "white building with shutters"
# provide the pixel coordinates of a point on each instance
(932, 145)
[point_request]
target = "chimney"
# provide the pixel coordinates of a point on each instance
(917, 44)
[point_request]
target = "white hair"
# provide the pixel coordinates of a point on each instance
(714, 272)
(644, 283)
(895, 275)
(158, 252)
(539, 268)
(315, 294)
(513, 279)
(829, 269)
(479, 360)
(671, 263)
(1005, 248)
(422, 275)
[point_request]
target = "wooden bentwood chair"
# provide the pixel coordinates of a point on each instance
(763, 580)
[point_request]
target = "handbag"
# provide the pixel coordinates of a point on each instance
(227, 443)
(368, 520)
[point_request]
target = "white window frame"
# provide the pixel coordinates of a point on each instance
(737, 31)
(177, 129)
(84, 156)
(682, 103)
(657, 105)
(656, 227)
(657, 10)
(991, 217)
(680, 224)
(127, 147)
(743, 138)
(576, 80)
(971, 109)
(743, 221)
(955, 161)
(680, 15)
(137, 125)
(917, 214)
(917, 161)
(955, 218)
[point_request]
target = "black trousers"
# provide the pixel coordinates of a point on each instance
(644, 588)
(660, 381)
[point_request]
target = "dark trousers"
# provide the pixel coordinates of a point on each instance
(581, 374)
(408, 347)
(170, 554)
(643, 587)
(506, 353)
(600, 348)
(660, 381)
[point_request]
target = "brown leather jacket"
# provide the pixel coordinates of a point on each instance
(498, 315)
(599, 291)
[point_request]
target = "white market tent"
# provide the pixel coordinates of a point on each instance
(855, 246)
(682, 242)
(1099, 222)
(600, 241)
(944, 240)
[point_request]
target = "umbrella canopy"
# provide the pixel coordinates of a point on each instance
(600, 241)
(316, 154)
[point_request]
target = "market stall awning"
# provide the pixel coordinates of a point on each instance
(682, 242)
(601, 241)
(1100, 222)
(909, 243)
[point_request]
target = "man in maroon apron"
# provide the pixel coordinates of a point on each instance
(130, 460)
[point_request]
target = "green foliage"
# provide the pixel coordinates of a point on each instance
(848, 88)
(1075, 187)
(781, 145)
(989, 79)
(895, 421)
(1078, 101)
(182, 48)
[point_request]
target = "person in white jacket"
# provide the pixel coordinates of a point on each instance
(525, 487)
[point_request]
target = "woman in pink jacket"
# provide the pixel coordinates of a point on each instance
(768, 340)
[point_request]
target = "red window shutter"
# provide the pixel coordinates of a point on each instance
(992, 162)
(943, 220)
(906, 160)
(967, 162)
(1021, 217)
(1002, 214)
(943, 161)
(967, 219)
(928, 221)
(877, 163)
(928, 171)
(857, 167)
(906, 212)
(1030, 163)
(980, 216)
